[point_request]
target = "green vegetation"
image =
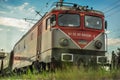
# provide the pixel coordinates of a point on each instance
(69, 73)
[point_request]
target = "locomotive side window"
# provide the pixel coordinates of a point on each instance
(31, 37)
(18, 47)
(50, 22)
(47, 23)
(24, 44)
(93, 22)
(53, 20)
(70, 20)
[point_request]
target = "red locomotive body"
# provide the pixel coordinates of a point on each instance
(67, 33)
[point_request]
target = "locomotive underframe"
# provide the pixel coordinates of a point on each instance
(77, 55)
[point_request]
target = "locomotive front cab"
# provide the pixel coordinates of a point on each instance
(77, 34)
(94, 25)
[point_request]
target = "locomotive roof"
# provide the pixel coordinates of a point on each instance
(75, 7)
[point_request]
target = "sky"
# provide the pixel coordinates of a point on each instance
(14, 12)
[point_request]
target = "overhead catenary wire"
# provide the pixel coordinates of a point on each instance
(115, 7)
(38, 13)
(44, 7)
(109, 9)
(110, 5)
(113, 13)
(112, 9)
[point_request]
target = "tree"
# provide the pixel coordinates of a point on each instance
(118, 58)
(114, 57)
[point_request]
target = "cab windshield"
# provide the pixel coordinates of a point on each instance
(93, 22)
(69, 20)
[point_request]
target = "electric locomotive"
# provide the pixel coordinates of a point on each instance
(68, 33)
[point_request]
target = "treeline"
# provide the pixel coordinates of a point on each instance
(115, 60)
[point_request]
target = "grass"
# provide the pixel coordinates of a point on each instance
(69, 73)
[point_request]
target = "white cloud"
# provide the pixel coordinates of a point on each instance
(1, 29)
(113, 42)
(22, 30)
(21, 11)
(3, 12)
(31, 9)
(24, 8)
(8, 29)
(13, 22)
(107, 32)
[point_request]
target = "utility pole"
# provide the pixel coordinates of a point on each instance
(2, 56)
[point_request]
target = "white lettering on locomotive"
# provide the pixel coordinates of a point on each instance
(75, 34)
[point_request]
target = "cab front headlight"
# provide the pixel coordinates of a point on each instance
(98, 44)
(64, 42)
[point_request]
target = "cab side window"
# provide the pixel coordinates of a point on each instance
(48, 23)
(53, 20)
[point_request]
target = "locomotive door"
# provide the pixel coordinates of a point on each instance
(46, 43)
(39, 39)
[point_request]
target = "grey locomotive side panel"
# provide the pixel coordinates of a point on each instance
(25, 50)
(46, 46)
